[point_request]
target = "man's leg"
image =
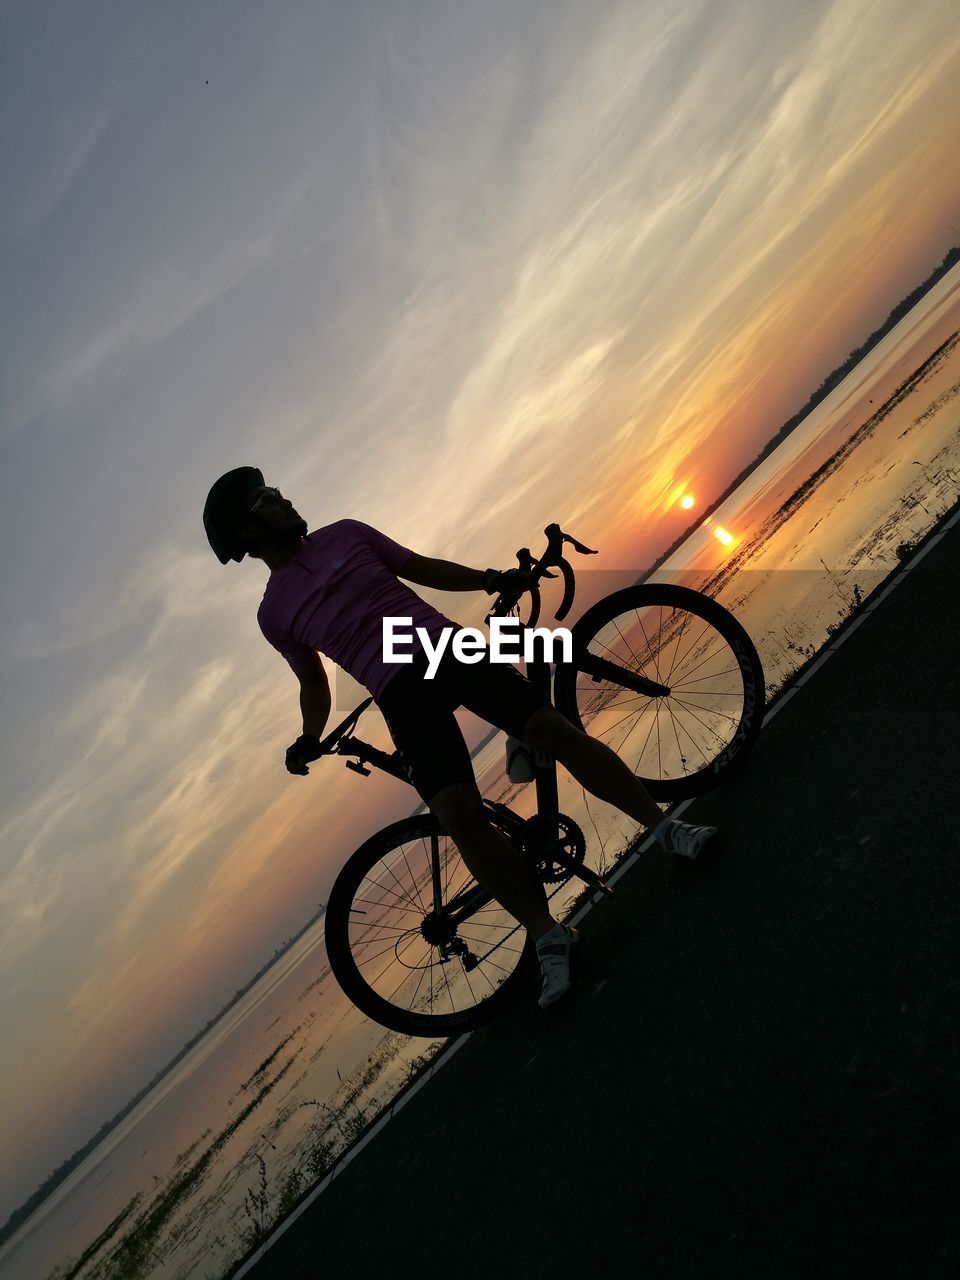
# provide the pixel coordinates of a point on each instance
(594, 765)
(489, 856)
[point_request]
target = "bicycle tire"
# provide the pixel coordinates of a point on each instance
(344, 936)
(734, 730)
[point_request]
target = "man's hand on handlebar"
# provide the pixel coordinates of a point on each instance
(508, 581)
(301, 752)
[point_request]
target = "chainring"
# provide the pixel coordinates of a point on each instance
(542, 835)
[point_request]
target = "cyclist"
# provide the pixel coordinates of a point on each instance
(328, 591)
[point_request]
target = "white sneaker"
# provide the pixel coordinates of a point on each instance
(682, 838)
(554, 952)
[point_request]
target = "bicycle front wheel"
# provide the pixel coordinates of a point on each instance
(670, 680)
(415, 942)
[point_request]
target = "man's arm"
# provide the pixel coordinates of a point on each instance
(443, 575)
(315, 697)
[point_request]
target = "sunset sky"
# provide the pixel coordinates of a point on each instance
(454, 269)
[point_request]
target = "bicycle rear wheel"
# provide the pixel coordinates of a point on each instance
(413, 940)
(670, 680)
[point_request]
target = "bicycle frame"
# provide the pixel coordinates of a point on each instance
(544, 766)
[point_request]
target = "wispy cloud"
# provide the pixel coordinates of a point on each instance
(158, 301)
(51, 185)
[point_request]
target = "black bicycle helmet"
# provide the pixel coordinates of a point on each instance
(223, 508)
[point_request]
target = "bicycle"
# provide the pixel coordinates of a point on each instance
(411, 937)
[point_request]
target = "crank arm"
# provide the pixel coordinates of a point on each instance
(580, 870)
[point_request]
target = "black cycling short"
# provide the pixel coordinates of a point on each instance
(419, 714)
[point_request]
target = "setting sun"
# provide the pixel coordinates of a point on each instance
(687, 501)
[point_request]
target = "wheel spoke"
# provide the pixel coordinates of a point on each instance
(411, 910)
(682, 684)
(721, 742)
(687, 704)
(414, 880)
(690, 647)
(708, 658)
(406, 897)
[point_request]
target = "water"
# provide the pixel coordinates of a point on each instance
(294, 1070)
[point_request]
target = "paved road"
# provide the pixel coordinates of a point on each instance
(758, 1072)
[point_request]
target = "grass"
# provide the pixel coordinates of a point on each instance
(138, 1250)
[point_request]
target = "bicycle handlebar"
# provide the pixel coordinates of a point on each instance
(553, 556)
(329, 743)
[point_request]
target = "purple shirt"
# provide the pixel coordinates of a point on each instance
(334, 595)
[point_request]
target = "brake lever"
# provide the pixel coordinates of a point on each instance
(527, 563)
(578, 546)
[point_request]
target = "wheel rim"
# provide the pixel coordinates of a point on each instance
(707, 700)
(412, 964)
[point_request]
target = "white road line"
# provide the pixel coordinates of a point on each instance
(584, 910)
